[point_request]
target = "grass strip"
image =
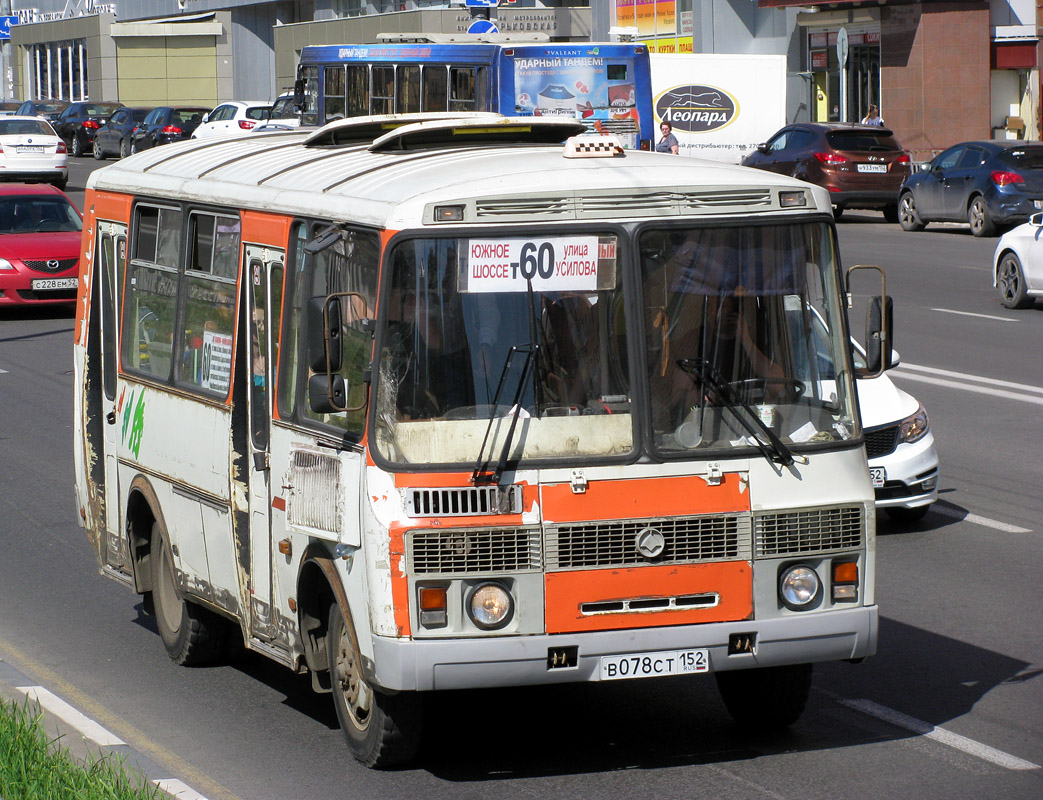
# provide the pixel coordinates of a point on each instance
(35, 768)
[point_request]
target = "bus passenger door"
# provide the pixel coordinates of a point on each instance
(111, 250)
(263, 276)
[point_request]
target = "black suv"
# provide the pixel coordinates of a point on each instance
(79, 122)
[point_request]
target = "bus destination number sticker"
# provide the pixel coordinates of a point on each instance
(653, 665)
(553, 264)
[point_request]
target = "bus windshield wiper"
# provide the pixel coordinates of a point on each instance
(705, 375)
(480, 473)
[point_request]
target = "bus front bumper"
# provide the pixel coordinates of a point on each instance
(432, 664)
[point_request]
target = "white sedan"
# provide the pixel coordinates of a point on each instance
(1018, 264)
(903, 462)
(31, 152)
(233, 119)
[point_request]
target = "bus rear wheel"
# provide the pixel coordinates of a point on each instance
(766, 698)
(382, 730)
(192, 636)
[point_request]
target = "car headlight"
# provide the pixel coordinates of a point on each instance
(915, 427)
(6, 265)
(799, 587)
(490, 606)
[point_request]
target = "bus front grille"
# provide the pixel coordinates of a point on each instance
(466, 501)
(621, 542)
(455, 552)
(815, 530)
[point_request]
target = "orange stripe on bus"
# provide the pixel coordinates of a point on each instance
(567, 592)
(399, 582)
(648, 497)
(266, 229)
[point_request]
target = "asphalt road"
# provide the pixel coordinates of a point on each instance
(951, 706)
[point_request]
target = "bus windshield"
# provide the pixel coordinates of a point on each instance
(741, 331)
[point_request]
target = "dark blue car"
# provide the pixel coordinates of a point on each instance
(990, 185)
(117, 132)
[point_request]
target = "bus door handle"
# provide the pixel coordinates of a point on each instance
(261, 460)
(111, 417)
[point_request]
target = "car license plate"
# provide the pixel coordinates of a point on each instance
(879, 476)
(32, 148)
(55, 283)
(654, 665)
(872, 167)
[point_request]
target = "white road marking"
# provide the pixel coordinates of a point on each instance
(940, 735)
(178, 789)
(84, 724)
(1024, 387)
(971, 314)
(959, 513)
(989, 387)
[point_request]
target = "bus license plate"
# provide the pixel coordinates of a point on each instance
(55, 283)
(872, 167)
(654, 665)
(879, 476)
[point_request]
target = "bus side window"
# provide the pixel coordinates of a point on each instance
(150, 299)
(382, 99)
(334, 92)
(358, 90)
(461, 89)
(207, 334)
(436, 88)
(407, 89)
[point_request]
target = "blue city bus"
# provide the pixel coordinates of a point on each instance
(606, 86)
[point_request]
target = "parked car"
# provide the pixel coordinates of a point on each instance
(860, 166)
(116, 133)
(1017, 265)
(167, 124)
(986, 184)
(233, 119)
(39, 245)
(32, 152)
(903, 460)
(284, 113)
(48, 109)
(79, 122)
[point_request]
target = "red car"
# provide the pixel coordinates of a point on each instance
(39, 245)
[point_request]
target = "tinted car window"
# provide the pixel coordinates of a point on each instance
(139, 114)
(862, 140)
(1023, 157)
(799, 139)
(258, 112)
(949, 158)
(972, 157)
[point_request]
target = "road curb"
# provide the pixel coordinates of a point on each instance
(66, 731)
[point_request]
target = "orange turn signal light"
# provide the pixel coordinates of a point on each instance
(433, 598)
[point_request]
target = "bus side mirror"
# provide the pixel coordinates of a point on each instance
(327, 394)
(324, 334)
(879, 325)
(298, 94)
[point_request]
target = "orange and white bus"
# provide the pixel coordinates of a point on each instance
(427, 403)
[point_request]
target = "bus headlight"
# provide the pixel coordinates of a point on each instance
(490, 606)
(799, 587)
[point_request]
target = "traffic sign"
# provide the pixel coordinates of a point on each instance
(482, 26)
(5, 26)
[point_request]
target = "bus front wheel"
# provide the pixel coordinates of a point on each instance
(192, 636)
(382, 730)
(766, 698)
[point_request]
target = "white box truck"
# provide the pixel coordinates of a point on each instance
(721, 106)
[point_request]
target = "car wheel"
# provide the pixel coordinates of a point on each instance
(891, 213)
(382, 730)
(133, 146)
(838, 212)
(99, 154)
(60, 185)
(979, 219)
(77, 146)
(124, 148)
(192, 636)
(899, 514)
(907, 216)
(1010, 281)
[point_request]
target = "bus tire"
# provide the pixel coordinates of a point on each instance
(382, 730)
(192, 636)
(766, 698)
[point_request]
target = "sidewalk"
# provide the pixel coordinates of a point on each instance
(81, 736)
